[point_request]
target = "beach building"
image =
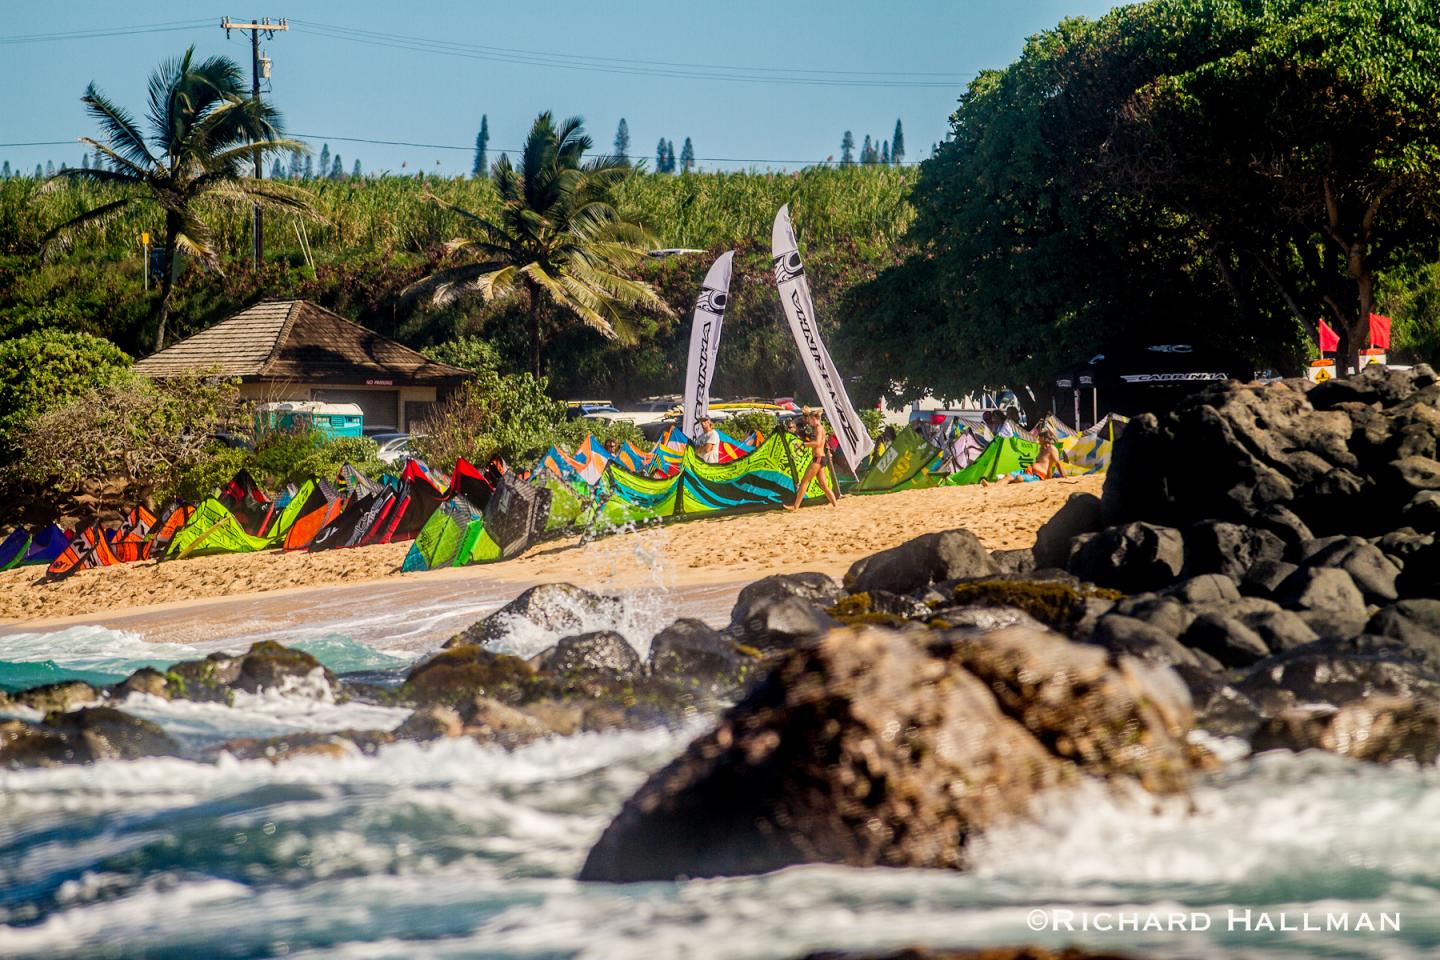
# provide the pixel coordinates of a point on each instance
(296, 350)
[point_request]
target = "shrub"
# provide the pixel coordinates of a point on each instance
(742, 425)
(133, 429)
(467, 352)
(280, 457)
(41, 371)
(495, 414)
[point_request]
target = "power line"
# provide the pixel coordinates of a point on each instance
(603, 65)
(690, 65)
(165, 26)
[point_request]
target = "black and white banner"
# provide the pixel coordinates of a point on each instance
(705, 342)
(854, 439)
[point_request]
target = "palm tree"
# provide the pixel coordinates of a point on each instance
(204, 132)
(557, 240)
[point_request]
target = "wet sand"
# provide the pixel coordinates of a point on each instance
(721, 552)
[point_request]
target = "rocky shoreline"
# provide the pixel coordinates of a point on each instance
(1262, 566)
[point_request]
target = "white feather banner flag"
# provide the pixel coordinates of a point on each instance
(705, 341)
(854, 439)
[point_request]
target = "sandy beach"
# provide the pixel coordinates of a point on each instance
(677, 555)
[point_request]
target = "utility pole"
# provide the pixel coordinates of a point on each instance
(263, 25)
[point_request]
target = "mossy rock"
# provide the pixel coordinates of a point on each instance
(458, 674)
(1057, 605)
(859, 609)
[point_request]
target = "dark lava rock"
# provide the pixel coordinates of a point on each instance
(1133, 558)
(266, 665)
(871, 748)
(456, 674)
(1265, 577)
(145, 681)
(1324, 589)
(692, 650)
(1338, 672)
(556, 608)
(602, 655)
(1379, 729)
(1423, 511)
(814, 588)
(81, 736)
(1128, 635)
(1415, 622)
(1226, 639)
(1206, 588)
(1280, 629)
(62, 696)
(1220, 709)
(1369, 568)
(1080, 514)
(1020, 561)
(1213, 546)
(773, 620)
(917, 563)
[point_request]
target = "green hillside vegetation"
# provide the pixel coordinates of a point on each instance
(378, 235)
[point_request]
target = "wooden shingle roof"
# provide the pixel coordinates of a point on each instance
(296, 340)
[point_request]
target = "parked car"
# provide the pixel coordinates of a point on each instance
(395, 447)
(575, 409)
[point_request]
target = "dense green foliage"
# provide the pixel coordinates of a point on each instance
(1223, 171)
(40, 371)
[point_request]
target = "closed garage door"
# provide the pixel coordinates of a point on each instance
(382, 407)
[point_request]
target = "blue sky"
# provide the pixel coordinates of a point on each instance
(916, 57)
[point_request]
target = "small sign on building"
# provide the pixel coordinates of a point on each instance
(1320, 371)
(1375, 355)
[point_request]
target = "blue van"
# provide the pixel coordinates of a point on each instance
(334, 420)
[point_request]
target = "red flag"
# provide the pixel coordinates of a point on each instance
(1379, 331)
(1329, 339)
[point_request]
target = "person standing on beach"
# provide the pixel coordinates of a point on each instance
(815, 440)
(707, 445)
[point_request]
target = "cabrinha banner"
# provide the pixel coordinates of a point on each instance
(705, 341)
(854, 439)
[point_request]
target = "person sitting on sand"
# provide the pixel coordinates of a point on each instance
(612, 447)
(707, 445)
(1046, 465)
(815, 440)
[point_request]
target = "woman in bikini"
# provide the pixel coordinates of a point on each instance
(816, 439)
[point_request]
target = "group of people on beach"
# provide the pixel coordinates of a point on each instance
(812, 433)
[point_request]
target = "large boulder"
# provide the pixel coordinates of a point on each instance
(1214, 546)
(1369, 568)
(1380, 729)
(267, 665)
(780, 611)
(1080, 514)
(81, 736)
(1133, 558)
(917, 563)
(62, 696)
(1338, 672)
(549, 610)
(600, 654)
(456, 674)
(872, 747)
(691, 651)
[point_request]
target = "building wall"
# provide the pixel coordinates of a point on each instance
(408, 397)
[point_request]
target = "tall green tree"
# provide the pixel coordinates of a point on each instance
(557, 242)
(687, 156)
(897, 143)
(204, 131)
(309, 172)
(337, 168)
(847, 149)
(324, 160)
(885, 152)
(669, 156)
(482, 143)
(1307, 148)
(622, 140)
(355, 170)
(660, 157)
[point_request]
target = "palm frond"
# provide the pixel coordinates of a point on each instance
(136, 173)
(125, 138)
(62, 236)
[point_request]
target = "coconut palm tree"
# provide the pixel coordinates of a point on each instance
(557, 240)
(204, 131)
